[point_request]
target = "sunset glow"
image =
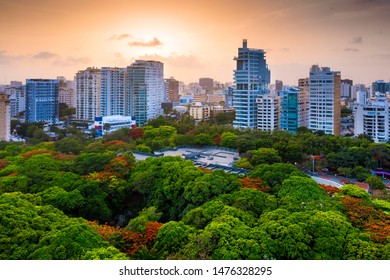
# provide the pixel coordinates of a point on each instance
(46, 38)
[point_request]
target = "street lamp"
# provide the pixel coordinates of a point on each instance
(312, 157)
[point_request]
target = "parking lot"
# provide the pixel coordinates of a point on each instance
(211, 158)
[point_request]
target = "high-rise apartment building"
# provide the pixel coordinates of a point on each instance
(88, 94)
(325, 98)
(252, 78)
(113, 92)
(268, 115)
(5, 119)
(294, 108)
(17, 97)
(172, 90)
(42, 101)
(67, 92)
(289, 112)
(372, 117)
(146, 89)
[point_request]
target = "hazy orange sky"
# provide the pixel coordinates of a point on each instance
(46, 38)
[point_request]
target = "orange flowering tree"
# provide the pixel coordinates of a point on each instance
(128, 241)
(254, 183)
(329, 189)
(371, 220)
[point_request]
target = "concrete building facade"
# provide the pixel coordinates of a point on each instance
(113, 93)
(372, 117)
(5, 119)
(88, 94)
(325, 100)
(268, 112)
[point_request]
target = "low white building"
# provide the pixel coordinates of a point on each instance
(109, 124)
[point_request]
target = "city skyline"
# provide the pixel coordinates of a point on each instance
(46, 39)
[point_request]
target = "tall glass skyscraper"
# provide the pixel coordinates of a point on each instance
(251, 77)
(145, 82)
(42, 103)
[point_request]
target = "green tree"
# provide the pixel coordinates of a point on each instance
(204, 139)
(228, 140)
(262, 156)
(375, 183)
(31, 231)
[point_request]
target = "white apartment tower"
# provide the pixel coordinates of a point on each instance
(145, 86)
(372, 116)
(324, 98)
(113, 97)
(88, 94)
(268, 112)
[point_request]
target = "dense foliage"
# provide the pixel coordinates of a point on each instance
(89, 199)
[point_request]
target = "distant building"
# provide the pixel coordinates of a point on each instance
(356, 88)
(268, 112)
(325, 98)
(228, 92)
(220, 109)
(88, 94)
(186, 99)
(5, 120)
(252, 78)
(146, 90)
(200, 112)
(303, 83)
(207, 84)
(172, 90)
(42, 104)
(278, 85)
(113, 95)
(380, 86)
(200, 98)
(17, 96)
(346, 88)
(67, 92)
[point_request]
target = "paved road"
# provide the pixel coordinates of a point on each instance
(326, 182)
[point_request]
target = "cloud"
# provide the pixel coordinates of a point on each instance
(356, 40)
(152, 43)
(6, 58)
(351, 50)
(120, 37)
(45, 55)
(71, 61)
